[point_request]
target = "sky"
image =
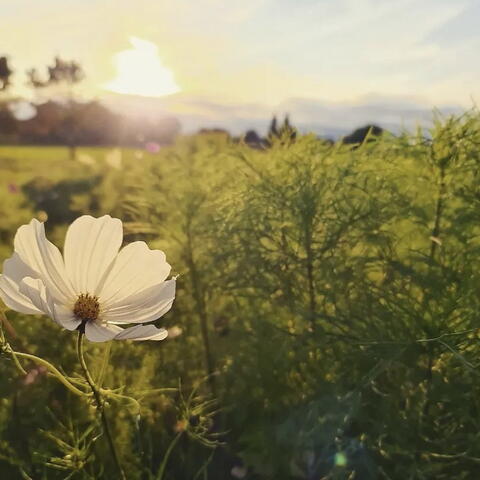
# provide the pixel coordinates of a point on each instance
(229, 61)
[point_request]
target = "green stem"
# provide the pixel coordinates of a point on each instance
(17, 363)
(203, 468)
(118, 396)
(433, 249)
(310, 277)
(54, 371)
(438, 213)
(6, 346)
(51, 369)
(100, 404)
(199, 298)
(106, 358)
(163, 465)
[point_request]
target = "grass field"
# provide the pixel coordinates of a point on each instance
(327, 298)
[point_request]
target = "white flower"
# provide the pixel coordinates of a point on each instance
(94, 286)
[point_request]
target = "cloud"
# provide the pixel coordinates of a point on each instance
(265, 51)
(458, 30)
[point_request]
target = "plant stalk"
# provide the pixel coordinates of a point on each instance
(100, 404)
(163, 465)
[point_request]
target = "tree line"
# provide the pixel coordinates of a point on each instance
(68, 121)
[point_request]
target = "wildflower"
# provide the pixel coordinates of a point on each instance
(13, 188)
(152, 147)
(95, 287)
(33, 374)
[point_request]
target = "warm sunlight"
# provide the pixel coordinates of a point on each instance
(140, 72)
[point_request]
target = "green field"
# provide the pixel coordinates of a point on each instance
(328, 301)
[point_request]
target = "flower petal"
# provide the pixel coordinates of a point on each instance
(142, 332)
(64, 316)
(44, 258)
(96, 332)
(144, 306)
(15, 300)
(34, 289)
(91, 245)
(14, 270)
(135, 269)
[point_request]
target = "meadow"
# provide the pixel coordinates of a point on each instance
(325, 324)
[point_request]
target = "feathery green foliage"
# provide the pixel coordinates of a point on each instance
(328, 299)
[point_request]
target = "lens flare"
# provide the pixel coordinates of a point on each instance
(340, 459)
(140, 71)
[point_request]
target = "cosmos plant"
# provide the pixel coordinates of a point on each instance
(95, 287)
(101, 291)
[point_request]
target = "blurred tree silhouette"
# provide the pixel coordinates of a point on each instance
(69, 72)
(34, 79)
(253, 140)
(7, 121)
(285, 134)
(272, 130)
(5, 74)
(8, 124)
(62, 73)
(358, 136)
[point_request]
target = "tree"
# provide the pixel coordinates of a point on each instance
(272, 130)
(358, 136)
(34, 79)
(287, 130)
(5, 74)
(7, 121)
(285, 134)
(253, 140)
(62, 73)
(69, 72)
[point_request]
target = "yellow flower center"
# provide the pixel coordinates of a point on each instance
(86, 307)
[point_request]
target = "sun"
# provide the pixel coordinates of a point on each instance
(140, 72)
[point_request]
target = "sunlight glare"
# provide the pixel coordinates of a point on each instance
(140, 71)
